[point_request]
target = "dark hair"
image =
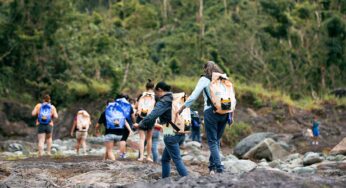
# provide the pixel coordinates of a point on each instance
(119, 96)
(211, 67)
(149, 85)
(46, 98)
(163, 86)
(109, 101)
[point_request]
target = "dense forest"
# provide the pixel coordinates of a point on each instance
(89, 48)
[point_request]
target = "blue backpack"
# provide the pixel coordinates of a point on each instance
(195, 123)
(116, 114)
(45, 114)
(125, 106)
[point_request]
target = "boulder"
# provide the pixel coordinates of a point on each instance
(312, 158)
(13, 147)
(339, 148)
(239, 166)
(192, 145)
(267, 149)
(249, 142)
(187, 157)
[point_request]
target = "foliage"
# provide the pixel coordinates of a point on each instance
(235, 133)
(89, 49)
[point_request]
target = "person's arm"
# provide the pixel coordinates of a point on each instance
(97, 129)
(55, 113)
(233, 99)
(73, 127)
(35, 110)
(159, 109)
(128, 127)
(202, 83)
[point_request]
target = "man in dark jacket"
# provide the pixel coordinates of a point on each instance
(163, 111)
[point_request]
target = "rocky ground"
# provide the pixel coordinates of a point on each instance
(261, 160)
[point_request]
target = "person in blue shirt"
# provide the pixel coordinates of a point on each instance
(196, 127)
(315, 130)
(214, 123)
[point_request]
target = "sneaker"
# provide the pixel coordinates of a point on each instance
(123, 156)
(212, 172)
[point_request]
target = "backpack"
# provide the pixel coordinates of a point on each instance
(125, 107)
(45, 114)
(115, 118)
(83, 120)
(222, 94)
(182, 122)
(146, 103)
(195, 122)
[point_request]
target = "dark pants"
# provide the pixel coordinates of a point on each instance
(214, 125)
(172, 151)
(196, 134)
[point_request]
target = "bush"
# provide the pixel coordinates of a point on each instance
(235, 133)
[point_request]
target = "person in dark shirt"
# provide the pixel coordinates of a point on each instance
(111, 135)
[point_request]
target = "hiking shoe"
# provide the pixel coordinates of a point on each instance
(212, 172)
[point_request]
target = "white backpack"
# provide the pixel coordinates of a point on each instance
(146, 103)
(83, 120)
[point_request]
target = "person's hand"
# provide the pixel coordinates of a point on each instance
(131, 133)
(97, 134)
(136, 125)
(71, 133)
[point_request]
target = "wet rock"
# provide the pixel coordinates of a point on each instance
(304, 170)
(339, 148)
(312, 158)
(336, 158)
(239, 166)
(15, 147)
(249, 142)
(267, 149)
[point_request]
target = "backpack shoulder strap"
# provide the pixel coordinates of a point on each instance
(209, 102)
(175, 127)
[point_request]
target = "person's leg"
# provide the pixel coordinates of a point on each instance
(220, 130)
(211, 132)
(172, 145)
(83, 142)
(148, 138)
(78, 144)
(198, 135)
(193, 134)
(122, 147)
(165, 162)
(109, 150)
(49, 141)
(154, 149)
(40, 145)
(141, 144)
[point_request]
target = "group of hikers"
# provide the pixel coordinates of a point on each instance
(156, 110)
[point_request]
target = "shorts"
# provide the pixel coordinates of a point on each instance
(125, 135)
(315, 132)
(144, 128)
(112, 138)
(47, 129)
(81, 135)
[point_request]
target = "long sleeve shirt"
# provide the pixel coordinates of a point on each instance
(203, 82)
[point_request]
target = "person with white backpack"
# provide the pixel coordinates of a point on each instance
(144, 106)
(219, 105)
(81, 125)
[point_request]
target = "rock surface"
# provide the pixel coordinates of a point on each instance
(340, 148)
(267, 149)
(249, 142)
